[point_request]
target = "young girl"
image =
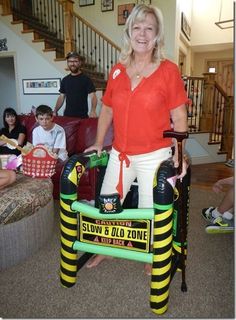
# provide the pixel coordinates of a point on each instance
(13, 130)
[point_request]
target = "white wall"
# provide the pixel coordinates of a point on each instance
(204, 15)
(29, 64)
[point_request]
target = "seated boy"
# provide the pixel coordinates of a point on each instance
(7, 177)
(49, 133)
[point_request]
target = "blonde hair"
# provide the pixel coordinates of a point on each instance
(138, 14)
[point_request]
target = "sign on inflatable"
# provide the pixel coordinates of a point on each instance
(125, 233)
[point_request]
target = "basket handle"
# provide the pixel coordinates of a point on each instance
(42, 147)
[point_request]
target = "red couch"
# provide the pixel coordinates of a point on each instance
(80, 134)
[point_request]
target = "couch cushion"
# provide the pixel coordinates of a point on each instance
(70, 126)
(87, 133)
(28, 120)
(24, 197)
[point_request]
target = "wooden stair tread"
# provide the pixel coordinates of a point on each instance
(49, 49)
(214, 142)
(27, 31)
(222, 152)
(17, 21)
(59, 59)
(38, 40)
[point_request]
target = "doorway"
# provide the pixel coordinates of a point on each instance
(182, 63)
(7, 85)
(224, 74)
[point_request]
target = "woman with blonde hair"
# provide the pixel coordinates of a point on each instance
(144, 95)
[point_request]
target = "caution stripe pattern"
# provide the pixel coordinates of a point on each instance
(163, 195)
(68, 218)
(161, 262)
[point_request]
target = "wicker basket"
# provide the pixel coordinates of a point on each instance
(38, 163)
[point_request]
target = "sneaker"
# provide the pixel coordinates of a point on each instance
(230, 163)
(220, 225)
(207, 214)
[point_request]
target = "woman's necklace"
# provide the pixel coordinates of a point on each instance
(139, 73)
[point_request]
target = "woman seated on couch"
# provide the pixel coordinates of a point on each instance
(13, 130)
(7, 177)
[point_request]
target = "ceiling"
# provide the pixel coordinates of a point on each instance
(212, 47)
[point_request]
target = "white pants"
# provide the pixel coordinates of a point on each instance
(142, 167)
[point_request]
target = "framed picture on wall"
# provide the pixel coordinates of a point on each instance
(41, 86)
(84, 3)
(144, 1)
(185, 27)
(107, 5)
(123, 12)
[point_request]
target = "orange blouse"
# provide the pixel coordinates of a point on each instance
(140, 116)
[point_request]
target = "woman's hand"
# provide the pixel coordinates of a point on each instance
(184, 166)
(92, 114)
(95, 147)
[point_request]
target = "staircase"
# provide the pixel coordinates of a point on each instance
(49, 26)
(41, 32)
(38, 46)
(210, 120)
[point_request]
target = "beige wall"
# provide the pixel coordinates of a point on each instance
(184, 44)
(169, 11)
(106, 22)
(201, 15)
(199, 66)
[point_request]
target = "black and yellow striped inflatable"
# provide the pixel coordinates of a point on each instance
(167, 245)
(170, 215)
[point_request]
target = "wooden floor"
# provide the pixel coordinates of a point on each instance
(205, 175)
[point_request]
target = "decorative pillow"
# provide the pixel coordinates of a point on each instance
(28, 120)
